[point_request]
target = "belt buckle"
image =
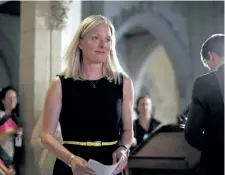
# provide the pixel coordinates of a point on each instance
(88, 143)
(98, 143)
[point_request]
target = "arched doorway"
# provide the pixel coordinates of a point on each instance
(148, 64)
(177, 53)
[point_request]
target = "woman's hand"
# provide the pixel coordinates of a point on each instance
(79, 167)
(2, 113)
(20, 131)
(120, 153)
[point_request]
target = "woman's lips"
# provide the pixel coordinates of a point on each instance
(100, 52)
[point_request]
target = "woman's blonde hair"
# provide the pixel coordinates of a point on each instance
(73, 58)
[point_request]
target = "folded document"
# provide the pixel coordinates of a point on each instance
(102, 169)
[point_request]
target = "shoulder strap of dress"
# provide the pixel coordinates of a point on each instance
(62, 78)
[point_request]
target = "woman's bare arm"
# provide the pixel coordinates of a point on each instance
(51, 112)
(128, 100)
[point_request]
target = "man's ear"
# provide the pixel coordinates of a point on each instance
(214, 55)
(211, 56)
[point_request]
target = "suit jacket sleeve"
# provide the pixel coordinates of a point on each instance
(195, 123)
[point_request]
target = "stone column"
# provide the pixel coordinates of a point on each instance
(39, 52)
(40, 56)
(34, 70)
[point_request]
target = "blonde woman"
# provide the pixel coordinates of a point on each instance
(93, 100)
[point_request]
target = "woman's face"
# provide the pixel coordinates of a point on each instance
(96, 44)
(144, 106)
(10, 100)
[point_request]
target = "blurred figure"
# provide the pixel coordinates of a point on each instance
(11, 129)
(145, 122)
(204, 129)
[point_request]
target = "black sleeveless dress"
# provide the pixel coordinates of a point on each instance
(90, 114)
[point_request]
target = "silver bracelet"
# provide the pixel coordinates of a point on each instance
(127, 149)
(70, 160)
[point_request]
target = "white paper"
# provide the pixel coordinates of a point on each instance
(18, 141)
(102, 169)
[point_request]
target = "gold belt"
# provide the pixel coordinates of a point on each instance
(96, 143)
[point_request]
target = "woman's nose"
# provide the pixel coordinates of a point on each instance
(102, 43)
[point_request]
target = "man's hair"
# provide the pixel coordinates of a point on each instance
(139, 100)
(214, 43)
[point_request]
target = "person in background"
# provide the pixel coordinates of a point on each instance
(145, 122)
(9, 108)
(204, 129)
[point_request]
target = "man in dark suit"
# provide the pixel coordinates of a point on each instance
(204, 129)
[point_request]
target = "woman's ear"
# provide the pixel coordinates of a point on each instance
(80, 44)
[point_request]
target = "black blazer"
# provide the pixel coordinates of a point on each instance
(204, 129)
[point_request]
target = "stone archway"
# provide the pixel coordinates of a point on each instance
(158, 75)
(133, 48)
(147, 61)
(166, 37)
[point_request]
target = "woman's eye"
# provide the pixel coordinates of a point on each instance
(109, 40)
(95, 37)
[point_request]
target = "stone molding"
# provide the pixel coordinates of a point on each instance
(59, 14)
